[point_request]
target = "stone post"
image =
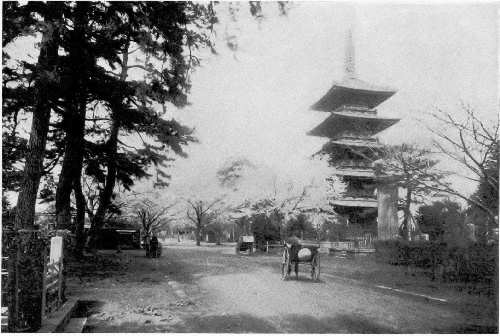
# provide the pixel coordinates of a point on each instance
(66, 235)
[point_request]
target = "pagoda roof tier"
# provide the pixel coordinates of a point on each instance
(355, 108)
(340, 125)
(353, 142)
(358, 115)
(353, 91)
(357, 202)
(355, 172)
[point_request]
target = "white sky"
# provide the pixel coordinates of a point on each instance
(255, 103)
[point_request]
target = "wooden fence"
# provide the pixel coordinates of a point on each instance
(364, 242)
(52, 286)
(5, 296)
(32, 280)
(273, 247)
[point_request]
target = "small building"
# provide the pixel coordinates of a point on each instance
(369, 203)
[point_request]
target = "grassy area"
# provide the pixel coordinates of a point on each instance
(369, 270)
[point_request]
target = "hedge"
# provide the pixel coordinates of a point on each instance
(472, 263)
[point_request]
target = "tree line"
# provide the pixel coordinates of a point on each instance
(97, 100)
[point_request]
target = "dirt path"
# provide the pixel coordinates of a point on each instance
(209, 289)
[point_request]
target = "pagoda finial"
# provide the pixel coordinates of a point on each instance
(350, 60)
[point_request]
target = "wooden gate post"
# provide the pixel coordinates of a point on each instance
(44, 289)
(60, 284)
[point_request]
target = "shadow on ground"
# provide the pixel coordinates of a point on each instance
(303, 277)
(246, 323)
(342, 323)
(469, 329)
(86, 308)
(241, 323)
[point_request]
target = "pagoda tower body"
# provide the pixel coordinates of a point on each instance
(369, 203)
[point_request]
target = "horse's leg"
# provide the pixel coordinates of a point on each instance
(297, 270)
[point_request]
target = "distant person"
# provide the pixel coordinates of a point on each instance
(147, 243)
(293, 240)
(154, 247)
(294, 243)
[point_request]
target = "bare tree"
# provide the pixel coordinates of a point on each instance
(153, 217)
(280, 205)
(411, 168)
(473, 144)
(198, 212)
(219, 222)
(91, 192)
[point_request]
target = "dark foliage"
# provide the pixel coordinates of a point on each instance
(88, 95)
(300, 227)
(232, 172)
(442, 220)
(486, 195)
(264, 230)
(473, 263)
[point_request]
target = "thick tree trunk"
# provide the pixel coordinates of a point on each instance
(109, 186)
(74, 118)
(33, 169)
(112, 149)
(71, 169)
(80, 215)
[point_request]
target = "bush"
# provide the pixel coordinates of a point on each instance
(477, 263)
(263, 230)
(473, 263)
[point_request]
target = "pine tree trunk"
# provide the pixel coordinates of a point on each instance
(74, 118)
(80, 215)
(109, 186)
(112, 148)
(33, 169)
(71, 169)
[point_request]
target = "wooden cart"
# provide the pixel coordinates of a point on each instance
(292, 253)
(245, 243)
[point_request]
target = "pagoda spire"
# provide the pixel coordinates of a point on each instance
(369, 204)
(350, 57)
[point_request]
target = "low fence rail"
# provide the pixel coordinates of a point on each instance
(32, 279)
(5, 296)
(273, 246)
(52, 287)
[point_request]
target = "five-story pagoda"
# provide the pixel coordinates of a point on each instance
(368, 203)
